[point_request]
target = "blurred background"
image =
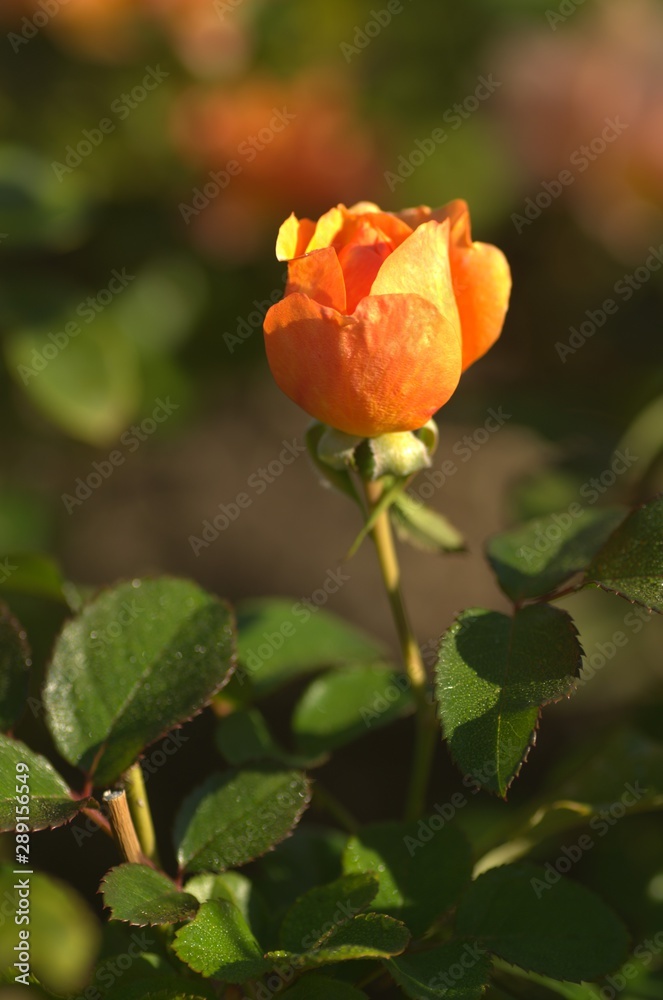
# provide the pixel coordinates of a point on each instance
(151, 148)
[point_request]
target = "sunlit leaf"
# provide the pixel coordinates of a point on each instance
(345, 704)
(48, 801)
(494, 673)
(422, 867)
(141, 895)
(217, 942)
(237, 816)
(141, 658)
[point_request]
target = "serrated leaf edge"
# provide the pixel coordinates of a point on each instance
(232, 661)
(146, 923)
(306, 801)
(573, 687)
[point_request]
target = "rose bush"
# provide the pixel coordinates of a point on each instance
(382, 313)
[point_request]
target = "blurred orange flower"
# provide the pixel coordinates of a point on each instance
(107, 30)
(324, 155)
(560, 87)
(209, 42)
(382, 313)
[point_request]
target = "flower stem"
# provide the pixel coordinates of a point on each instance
(140, 812)
(426, 725)
(122, 826)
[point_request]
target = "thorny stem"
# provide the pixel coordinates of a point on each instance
(426, 725)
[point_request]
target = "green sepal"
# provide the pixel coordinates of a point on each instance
(424, 528)
(337, 449)
(392, 489)
(399, 454)
(338, 478)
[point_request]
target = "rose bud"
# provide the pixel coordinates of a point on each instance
(382, 313)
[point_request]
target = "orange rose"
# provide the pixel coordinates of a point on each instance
(382, 312)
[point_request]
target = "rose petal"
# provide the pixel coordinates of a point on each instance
(482, 284)
(411, 282)
(414, 217)
(360, 266)
(482, 279)
(458, 214)
(318, 275)
(421, 266)
(480, 275)
(361, 260)
(327, 228)
(387, 224)
(364, 208)
(387, 368)
(339, 226)
(293, 238)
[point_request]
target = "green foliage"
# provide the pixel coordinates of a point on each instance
(102, 689)
(131, 960)
(282, 640)
(370, 935)
(322, 988)
(157, 987)
(123, 673)
(31, 790)
(326, 907)
(37, 209)
(159, 308)
(218, 942)
(630, 563)
(536, 558)
(243, 736)
(64, 933)
(421, 876)
(311, 857)
(339, 707)
(392, 487)
(602, 770)
(140, 659)
(35, 575)
(424, 528)
(531, 986)
(494, 674)
(428, 975)
(142, 895)
(561, 930)
(237, 889)
(237, 816)
(92, 388)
